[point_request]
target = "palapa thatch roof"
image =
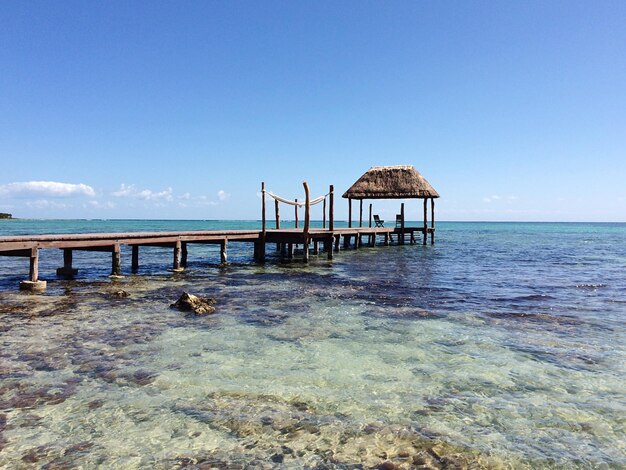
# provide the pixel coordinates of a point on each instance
(391, 182)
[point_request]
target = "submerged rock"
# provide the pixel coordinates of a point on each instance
(192, 303)
(120, 294)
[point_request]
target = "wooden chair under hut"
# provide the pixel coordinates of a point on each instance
(394, 182)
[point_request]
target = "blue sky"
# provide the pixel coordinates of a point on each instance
(512, 110)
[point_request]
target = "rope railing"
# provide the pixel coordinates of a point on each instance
(317, 200)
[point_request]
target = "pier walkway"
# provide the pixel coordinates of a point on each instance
(28, 246)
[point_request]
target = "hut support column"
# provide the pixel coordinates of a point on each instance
(360, 212)
(135, 259)
(33, 284)
(329, 247)
(337, 243)
(316, 247)
(349, 212)
(425, 232)
(401, 236)
(223, 252)
(116, 260)
(370, 225)
(387, 237)
(67, 271)
(432, 221)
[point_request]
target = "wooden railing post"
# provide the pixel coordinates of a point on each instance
(296, 210)
(324, 213)
(331, 210)
(263, 205)
(307, 219)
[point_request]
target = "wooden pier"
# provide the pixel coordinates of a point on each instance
(285, 240)
(317, 241)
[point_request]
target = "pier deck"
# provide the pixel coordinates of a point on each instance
(28, 246)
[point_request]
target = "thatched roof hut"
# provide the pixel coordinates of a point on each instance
(391, 182)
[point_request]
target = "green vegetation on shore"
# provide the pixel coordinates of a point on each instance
(4, 215)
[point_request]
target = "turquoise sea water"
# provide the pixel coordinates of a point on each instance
(502, 346)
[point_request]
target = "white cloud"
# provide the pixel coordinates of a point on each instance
(145, 194)
(46, 204)
(46, 188)
(223, 195)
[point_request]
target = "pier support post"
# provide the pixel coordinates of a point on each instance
(337, 243)
(183, 255)
(135, 259)
(33, 284)
(177, 249)
(289, 250)
(223, 254)
(305, 246)
(116, 261)
(328, 245)
(346, 241)
(387, 237)
(67, 271)
(316, 247)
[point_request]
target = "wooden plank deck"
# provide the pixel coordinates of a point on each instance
(29, 245)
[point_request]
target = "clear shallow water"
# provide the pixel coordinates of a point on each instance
(502, 346)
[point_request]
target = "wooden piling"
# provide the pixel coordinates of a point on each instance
(223, 253)
(183, 254)
(296, 211)
(135, 258)
(324, 213)
(316, 247)
(67, 270)
(33, 284)
(116, 260)
(177, 250)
